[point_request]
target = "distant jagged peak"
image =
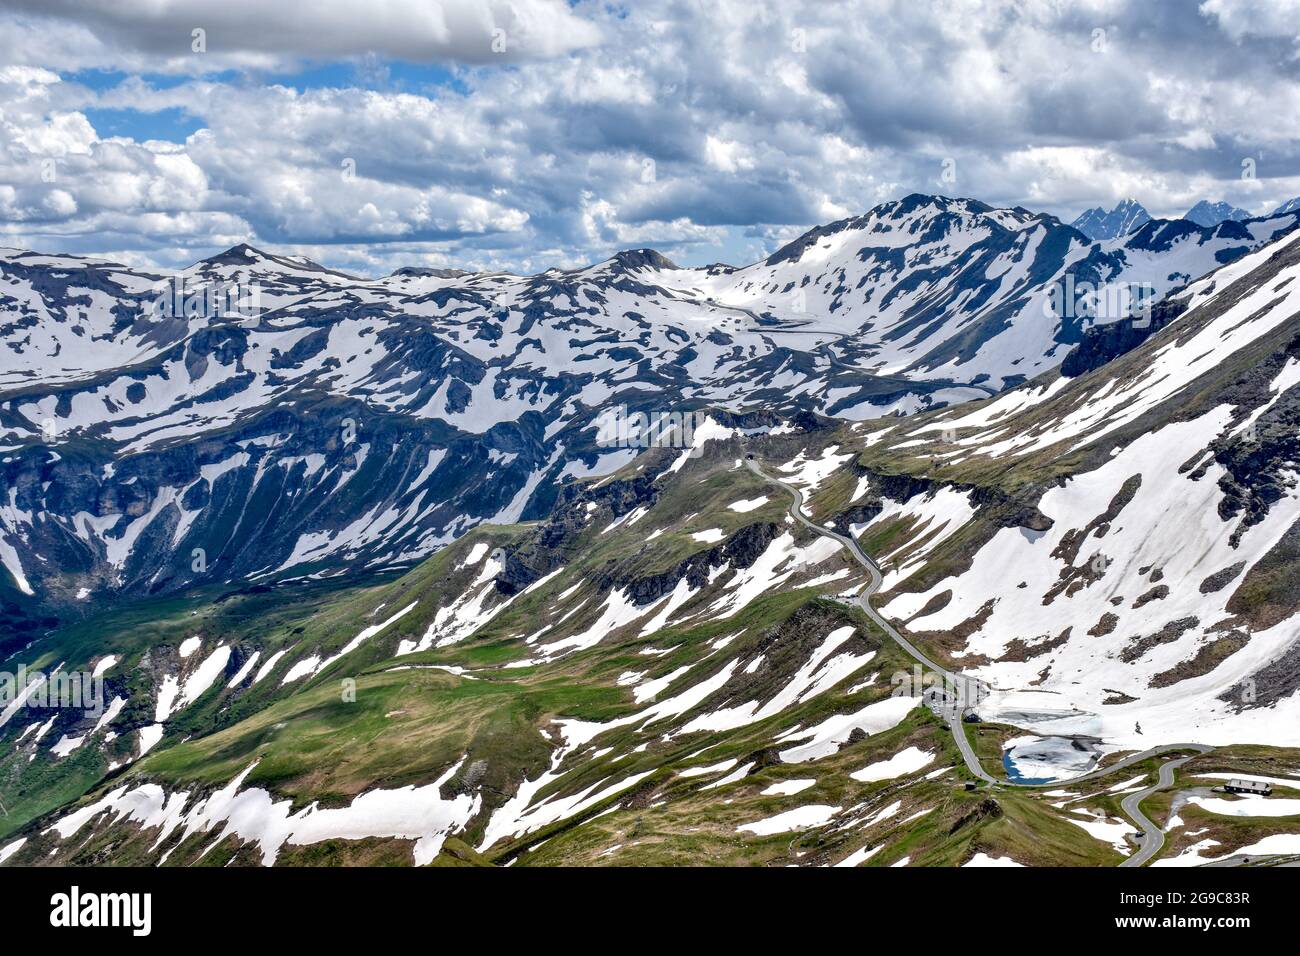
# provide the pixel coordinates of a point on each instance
(1206, 213)
(1098, 224)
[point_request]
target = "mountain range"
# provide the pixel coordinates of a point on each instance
(366, 423)
(367, 579)
(1129, 214)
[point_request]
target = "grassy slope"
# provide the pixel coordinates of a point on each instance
(406, 726)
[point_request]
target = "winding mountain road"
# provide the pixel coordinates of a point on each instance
(1153, 837)
(863, 600)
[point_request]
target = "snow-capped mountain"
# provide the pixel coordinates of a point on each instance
(952, 289)
(1097, 223)
(1291, 205)
(1123, 564)
(1111, 555)
(1206, 213)
(314, 421)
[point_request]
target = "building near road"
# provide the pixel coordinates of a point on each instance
(1248, 786)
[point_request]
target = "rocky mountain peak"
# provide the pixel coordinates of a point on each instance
(632, 259)
(1098, 224)
(1206, 213)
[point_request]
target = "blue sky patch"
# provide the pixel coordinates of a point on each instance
(172, 124)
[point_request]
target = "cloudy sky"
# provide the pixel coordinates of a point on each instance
(524, 134)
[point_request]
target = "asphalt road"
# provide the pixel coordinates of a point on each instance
(953, 715)
(1153, 837)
